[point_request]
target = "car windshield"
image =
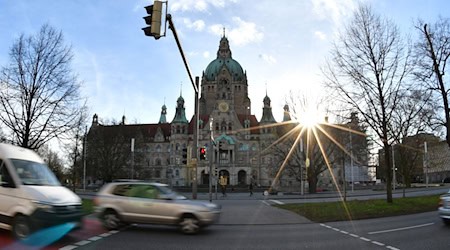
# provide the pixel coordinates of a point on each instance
(34, 173)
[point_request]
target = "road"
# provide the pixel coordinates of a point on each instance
(252, 223)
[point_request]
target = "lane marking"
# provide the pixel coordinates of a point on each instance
(400, 229)
(378, 243)
(68, 247)
(90, 240)
(265, 202)
(359, 237)
(95, 238)
(277, 201)
(82, 243)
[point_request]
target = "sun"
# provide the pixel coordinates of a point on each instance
(310, 118)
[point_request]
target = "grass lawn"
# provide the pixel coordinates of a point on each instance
(88, 206)
(358, 209)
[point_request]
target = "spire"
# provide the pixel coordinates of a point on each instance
(287, 113)
(180, 113)
(162, 118)
(267, 116)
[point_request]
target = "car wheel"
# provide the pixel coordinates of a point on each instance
(446, 222)
(21, 228)
(111, 220)
(189, 224)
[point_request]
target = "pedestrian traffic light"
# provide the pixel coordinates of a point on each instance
(153, 20)
(202, 153)
(184, 155)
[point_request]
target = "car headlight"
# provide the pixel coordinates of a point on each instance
(44, 206)
(211, 205)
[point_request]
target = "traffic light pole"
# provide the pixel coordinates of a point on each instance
(154, 29)
(174, 31)
(196, 116)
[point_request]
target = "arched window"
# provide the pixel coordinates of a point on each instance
(223, 127)
(158, 148)
(158, 162)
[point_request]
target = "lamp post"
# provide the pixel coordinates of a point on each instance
(351, 158)
(394, 178)
(302, 187)
(425, 162)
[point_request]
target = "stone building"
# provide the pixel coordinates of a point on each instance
(224, 115)
(238, 145)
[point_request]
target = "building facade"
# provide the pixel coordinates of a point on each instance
(233, 137)
(239, 146)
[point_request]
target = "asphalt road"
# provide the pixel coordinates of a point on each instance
(252, 223)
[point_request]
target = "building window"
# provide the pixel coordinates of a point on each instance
(158, 148)
(158, 162)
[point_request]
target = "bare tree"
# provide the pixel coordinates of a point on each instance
(367, 71)
(432, 54)
(39, 98)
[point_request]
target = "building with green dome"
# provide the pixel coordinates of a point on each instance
(241, 140)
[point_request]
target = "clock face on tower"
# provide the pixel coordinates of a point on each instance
(223, 107)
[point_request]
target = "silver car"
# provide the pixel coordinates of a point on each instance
(152, 203)
(444, 208)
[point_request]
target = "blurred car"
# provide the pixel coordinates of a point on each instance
(31, 197)
(444, 208)
(121, 203)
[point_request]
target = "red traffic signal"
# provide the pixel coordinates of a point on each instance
(202, 153)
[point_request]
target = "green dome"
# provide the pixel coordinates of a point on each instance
(214, 67)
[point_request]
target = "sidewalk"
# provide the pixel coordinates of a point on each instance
(257, 195)
(320, 195)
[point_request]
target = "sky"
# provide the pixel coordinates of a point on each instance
(280, 44)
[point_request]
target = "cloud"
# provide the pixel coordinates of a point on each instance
(334, 10)
(206, 54)
(197, 25)
(140, 5)
(243, 33)
(268, 58)
(198, 5)
(320, 35)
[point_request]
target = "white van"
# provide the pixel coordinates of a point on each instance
(31, 197)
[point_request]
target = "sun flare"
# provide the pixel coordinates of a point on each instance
(310, 118)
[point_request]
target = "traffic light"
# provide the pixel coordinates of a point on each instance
(202, 153)
(184, 155)
(153, 20)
